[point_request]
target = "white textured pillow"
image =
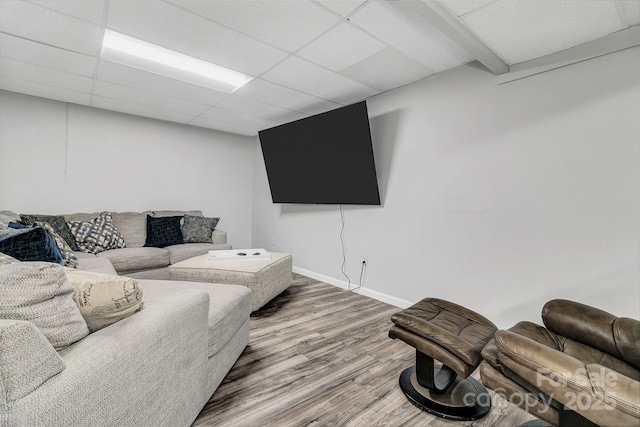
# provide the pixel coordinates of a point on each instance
(104, 299)
(40, 293)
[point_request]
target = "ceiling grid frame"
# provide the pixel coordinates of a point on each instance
(265, 102)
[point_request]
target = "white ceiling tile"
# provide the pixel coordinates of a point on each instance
(46, 56)
(341, 7)
(139, 110)
(49, 27)
(341, 47)
(631, 11)
(223, 126)
(460, 7)
(143, 80)
(259, 109)
(309, 78)
(45, 76)
(288, 25)
(274, 94)
(123, 93)
(426, 45)
(246, 120)
(43, 91)
(88, 10)
(522, 30)
(317, 109)
(166, 25)
(387, 69)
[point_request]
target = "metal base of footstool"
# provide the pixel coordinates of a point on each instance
(447, 396)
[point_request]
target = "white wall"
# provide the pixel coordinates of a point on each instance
(63, 158)
(497, 197)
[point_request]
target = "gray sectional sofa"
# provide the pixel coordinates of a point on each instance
(135, 260)
(157, 367)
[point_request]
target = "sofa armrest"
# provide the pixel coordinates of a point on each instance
(27, 360)
(219, 237)
(147, 369)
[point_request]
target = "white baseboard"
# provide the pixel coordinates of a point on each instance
(362, 291)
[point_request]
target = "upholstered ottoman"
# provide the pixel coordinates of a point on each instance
(455, 336)
(265, 278)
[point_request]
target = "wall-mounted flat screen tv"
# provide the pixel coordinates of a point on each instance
(322, 159)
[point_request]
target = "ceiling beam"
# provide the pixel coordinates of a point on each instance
(614, 42)
(424, 15)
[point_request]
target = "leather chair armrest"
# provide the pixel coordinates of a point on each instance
(601, 395)
(615, 389)
(539, 364)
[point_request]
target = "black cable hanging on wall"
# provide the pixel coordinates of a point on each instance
(344, 250)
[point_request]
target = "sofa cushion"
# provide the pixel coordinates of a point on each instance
(6, 259)
(81, 216)
(179, 253)
(160, 214)
(99, 265)
(29, 244)
(132, 226)
(133, 259)
(163, 231)
(104, 299)
(229, 306)
(97, 235)
(27, 359)
(198, 229)
(41, 293)
(59, 224)
(8, 216)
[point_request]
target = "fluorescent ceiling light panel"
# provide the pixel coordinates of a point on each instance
(145, 56)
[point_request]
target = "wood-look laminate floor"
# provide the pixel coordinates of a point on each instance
(320, 356)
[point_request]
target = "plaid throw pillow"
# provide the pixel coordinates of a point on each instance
(164, 231)
(97, 235)
(69, 258)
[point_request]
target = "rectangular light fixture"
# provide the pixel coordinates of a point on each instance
(145, 56)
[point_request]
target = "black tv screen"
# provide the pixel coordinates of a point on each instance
(322, 159)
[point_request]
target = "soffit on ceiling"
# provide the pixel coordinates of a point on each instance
(306, 56)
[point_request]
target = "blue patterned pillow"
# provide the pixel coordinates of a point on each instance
(163, 231)
(29, 244)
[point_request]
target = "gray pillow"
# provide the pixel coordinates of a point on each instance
(58, 223)
(41, 293)
(198, 229)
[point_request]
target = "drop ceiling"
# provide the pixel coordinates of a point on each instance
(306, 56)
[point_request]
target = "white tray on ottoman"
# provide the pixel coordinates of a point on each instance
(265, 278)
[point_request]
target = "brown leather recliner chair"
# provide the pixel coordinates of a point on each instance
(583, 367)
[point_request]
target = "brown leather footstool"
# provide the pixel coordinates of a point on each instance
(454, 336)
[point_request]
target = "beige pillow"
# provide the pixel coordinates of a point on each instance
(104, 299)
